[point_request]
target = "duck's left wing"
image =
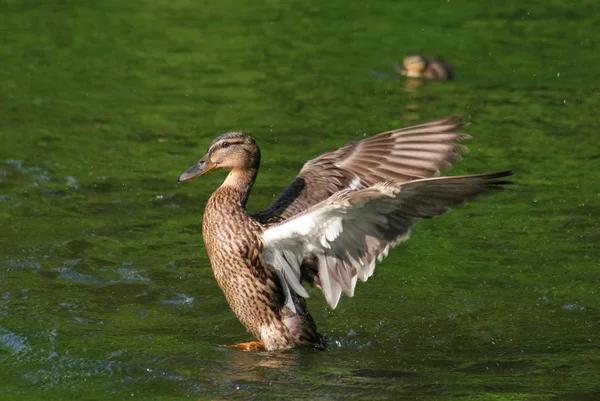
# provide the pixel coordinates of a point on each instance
(353, 228)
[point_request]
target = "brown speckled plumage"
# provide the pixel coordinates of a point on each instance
(394, 164)
(253, 290)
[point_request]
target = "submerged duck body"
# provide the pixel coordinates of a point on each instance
(341, 214)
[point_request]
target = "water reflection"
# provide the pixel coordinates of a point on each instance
(255, 373)
(258, 366)
(412, 84)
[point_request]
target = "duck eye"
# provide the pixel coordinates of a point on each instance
(225, 144)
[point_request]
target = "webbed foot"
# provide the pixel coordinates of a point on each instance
(247, 346)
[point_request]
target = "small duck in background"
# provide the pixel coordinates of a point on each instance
(433, 67)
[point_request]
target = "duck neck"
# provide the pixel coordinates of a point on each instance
(239, 183)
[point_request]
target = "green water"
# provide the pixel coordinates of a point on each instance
(105, 288)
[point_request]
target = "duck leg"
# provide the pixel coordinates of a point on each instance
(247, 346)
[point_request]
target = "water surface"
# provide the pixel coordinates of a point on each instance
(105, 287)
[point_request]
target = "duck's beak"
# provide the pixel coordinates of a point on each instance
(204, 165)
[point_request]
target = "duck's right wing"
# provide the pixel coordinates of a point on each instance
(398, 156)
(353, 228)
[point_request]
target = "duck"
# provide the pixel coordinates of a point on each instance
(341, 215)
(433, 67)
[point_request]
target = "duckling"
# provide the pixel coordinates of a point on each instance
(340, 216)
(417, 66)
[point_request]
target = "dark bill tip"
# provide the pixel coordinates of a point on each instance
(197, 170)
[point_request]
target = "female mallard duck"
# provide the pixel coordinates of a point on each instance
(341, 214)
(417, 66)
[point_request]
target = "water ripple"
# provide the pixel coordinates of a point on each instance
(24, 264)
(35, 172)
(179, 299)
(66, 273)
(129, 275)
(61, 369)
(13, 342)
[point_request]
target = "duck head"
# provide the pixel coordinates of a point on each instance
(413, 66)
(232, 151)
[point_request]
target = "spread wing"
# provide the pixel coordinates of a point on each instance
(398, 156)
(352, 229)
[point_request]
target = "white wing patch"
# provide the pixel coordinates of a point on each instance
(343, 232)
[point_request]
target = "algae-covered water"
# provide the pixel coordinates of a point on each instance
(105, 287)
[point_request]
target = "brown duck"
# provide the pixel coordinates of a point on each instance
(340, 215)
(433, 67)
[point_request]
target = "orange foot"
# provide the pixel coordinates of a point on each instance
(249, 346)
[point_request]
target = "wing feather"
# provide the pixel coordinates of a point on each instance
(354, 228)
(399, 156)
